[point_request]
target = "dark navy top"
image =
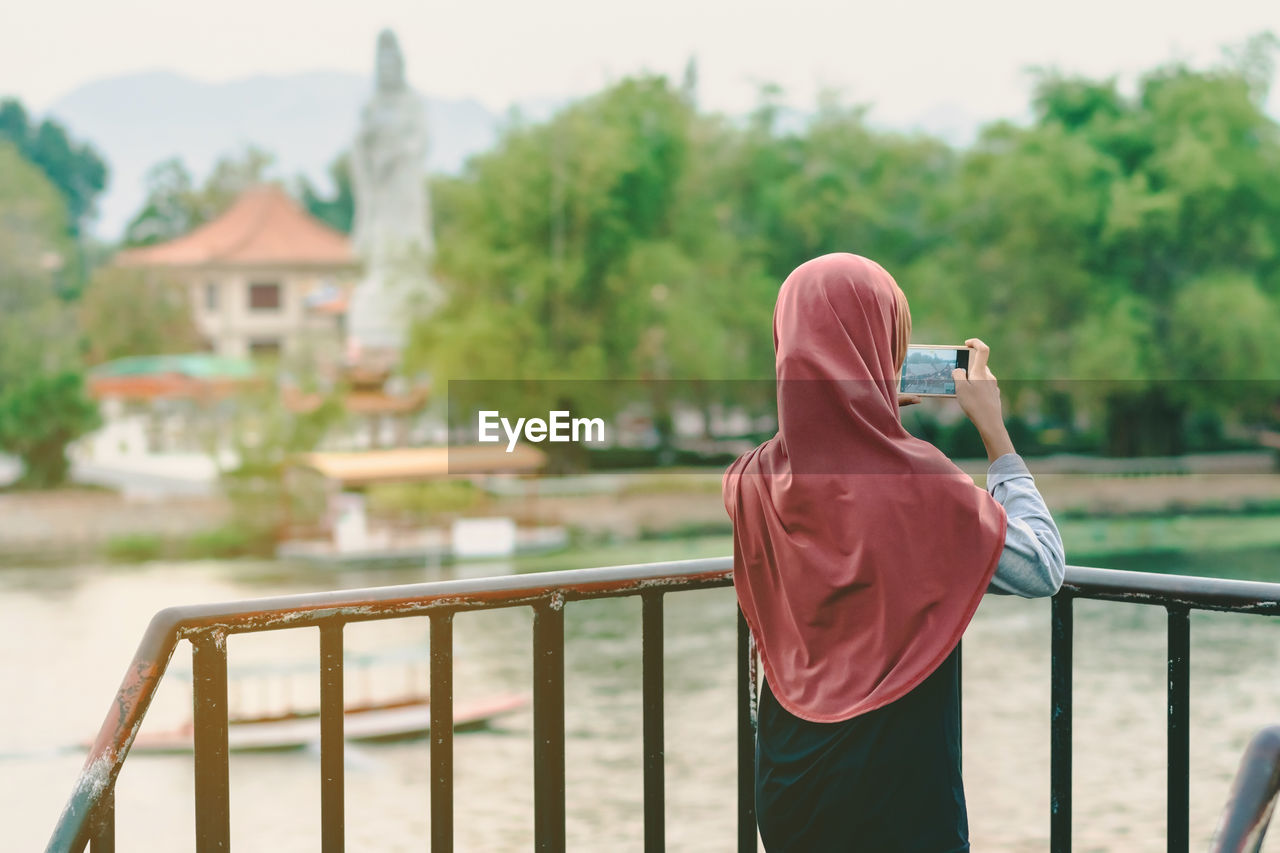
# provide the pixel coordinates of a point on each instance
(887, 781)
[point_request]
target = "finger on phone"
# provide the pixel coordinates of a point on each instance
(958, 374)
(907, 400)
(978, 358)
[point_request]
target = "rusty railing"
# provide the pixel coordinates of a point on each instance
(89, 815)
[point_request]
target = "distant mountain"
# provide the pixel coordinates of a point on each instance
(306, 120)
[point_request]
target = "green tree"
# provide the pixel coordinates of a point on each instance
(42, 402)
(339, 209)
(36, 332)
(265, 436)
(74, 168)
(175, 205)
(1133, 242)
(538, 233)
(172, 207)
(126, 311)
(594, 247)
(39, 418)
(1130, 242)
(1222, 334)
(835, 185)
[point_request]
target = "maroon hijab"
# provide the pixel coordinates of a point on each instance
(860, 553)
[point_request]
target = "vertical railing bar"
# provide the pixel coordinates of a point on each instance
(746, 743)
(441, 699)
(548, 726)
(1179, 741)
(1060, 724)
(209, 720)
(654, 750)
(332, 741)
(103, 837)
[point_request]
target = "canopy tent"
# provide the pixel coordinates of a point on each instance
(188, 375)
(415, 464)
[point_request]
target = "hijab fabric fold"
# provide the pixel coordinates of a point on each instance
(860, 552)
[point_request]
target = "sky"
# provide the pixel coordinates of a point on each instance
(905, 58)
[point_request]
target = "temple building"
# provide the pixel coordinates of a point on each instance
(265, 278)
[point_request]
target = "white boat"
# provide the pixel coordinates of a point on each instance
(380, 722)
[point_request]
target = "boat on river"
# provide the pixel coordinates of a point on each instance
(376, 722)
(283, 723)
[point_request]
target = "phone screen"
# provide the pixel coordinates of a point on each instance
(927, 370)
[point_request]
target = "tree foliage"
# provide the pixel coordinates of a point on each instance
(176, 205)
(74, 168)
(593, 247)
(42, 402)
(339, 209)
(1126, 241)
(1131, 242)
(266, 435)
(36, 333)
(127, 311)
(39, 418)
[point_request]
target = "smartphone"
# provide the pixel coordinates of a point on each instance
(926, 372)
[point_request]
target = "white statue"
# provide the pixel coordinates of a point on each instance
(392, 229)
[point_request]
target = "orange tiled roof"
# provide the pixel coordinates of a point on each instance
(263, 226)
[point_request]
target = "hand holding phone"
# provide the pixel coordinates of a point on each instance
(979, 396)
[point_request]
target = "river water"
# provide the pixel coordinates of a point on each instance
(66, 635)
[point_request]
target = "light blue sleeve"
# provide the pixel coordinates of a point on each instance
(1032, 563)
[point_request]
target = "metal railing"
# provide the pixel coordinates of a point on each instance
(1179, 595)
(89, 816)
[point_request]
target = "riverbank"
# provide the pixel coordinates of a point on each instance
(1216, 503)
(69, 524)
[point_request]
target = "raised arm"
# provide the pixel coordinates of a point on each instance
(1033, 562)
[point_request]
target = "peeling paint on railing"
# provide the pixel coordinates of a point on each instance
(552, 590)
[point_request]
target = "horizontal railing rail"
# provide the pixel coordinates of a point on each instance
(89, 816)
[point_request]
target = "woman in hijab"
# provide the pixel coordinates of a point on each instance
(860, 555)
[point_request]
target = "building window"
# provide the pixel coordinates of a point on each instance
(264, 347)
(264, 296)
(211, 296)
